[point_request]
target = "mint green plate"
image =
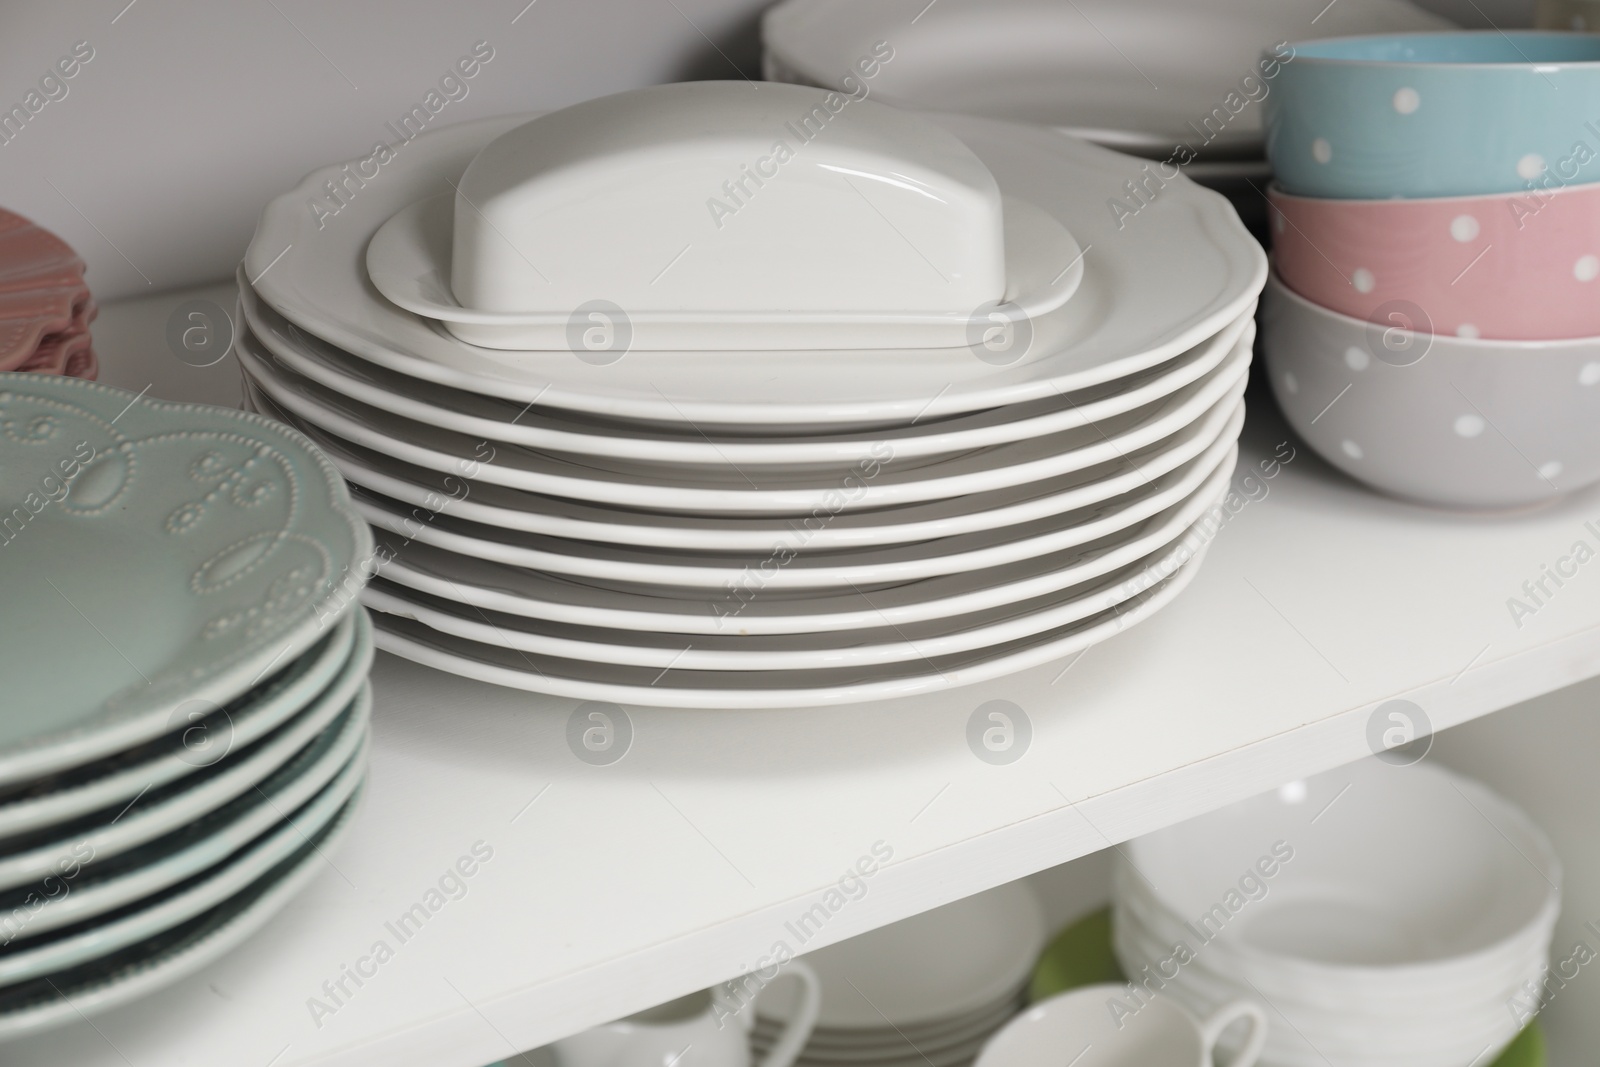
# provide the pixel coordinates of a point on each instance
(202, 743)
(163, 811)
(115, 882)
(158, 558)
(141, 969)
(1081, 955)
(289, 828)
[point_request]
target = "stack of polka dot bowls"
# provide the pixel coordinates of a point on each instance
(1432, 326)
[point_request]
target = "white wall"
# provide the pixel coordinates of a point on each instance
(192, 114)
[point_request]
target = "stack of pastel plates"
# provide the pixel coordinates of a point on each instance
(45, 307)
(1178, 83)
(186, 705)
(928, 990)
(735, 529)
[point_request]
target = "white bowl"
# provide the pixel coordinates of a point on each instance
(1413, 905)
(1320, 1035)
(1446, 420)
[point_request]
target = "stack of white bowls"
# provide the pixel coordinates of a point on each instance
(605, 504)
(1383, 915)
(184, 725)
(924, 992)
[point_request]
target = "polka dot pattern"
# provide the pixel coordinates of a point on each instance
(1469, 425)
(1407, 100)
(1363, 280)
(1551, 471)
(1589, 374)
(1530, 166)
(1291, 384)
(1587, 269)
(1321, 150)
(1464, 228)
(1356, 358)
(1351, 449)
(1467, 330)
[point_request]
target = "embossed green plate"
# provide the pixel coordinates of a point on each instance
(156, 561)
(168, 957)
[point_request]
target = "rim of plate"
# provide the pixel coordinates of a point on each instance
(173, 811)
(152, 916)
(131, 875)
(432, 492)
(267, 707)
(299, 353)
(641, 488)
(212, 936)
(430, 651)
(994, 589)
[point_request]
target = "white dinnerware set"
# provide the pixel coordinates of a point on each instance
(927, 991)
(839, 403)
(1382, 915)
(185, 727)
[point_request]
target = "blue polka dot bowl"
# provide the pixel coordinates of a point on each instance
(1436, 114)
(1451, 421)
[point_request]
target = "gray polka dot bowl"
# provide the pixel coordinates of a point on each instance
(1436, 114)
(1453, 421)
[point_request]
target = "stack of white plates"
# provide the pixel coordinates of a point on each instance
(1170, 80)
(769, 529)
(925, 991)
(1382, 915)
(186, 704)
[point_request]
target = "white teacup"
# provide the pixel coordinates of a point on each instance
(704, 1029)
(1080, 1028)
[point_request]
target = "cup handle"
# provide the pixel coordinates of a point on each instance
(1211, 1031)
(787, 1048)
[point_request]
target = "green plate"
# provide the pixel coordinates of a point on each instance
(160, 558)
(87, 942)
(1081, 955)
(141, 969)
(116, 780)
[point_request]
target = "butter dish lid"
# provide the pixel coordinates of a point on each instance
(724, 215)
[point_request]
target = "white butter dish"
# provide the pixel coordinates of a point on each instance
(722, 215)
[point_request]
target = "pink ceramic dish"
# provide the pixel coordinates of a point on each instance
(1511, 267)
(45, 308)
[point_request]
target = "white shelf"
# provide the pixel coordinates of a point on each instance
(613, 888)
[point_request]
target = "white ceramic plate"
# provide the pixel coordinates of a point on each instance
(939, 964)
(1141, 75)
(760, 689)
(831, 1043)
(163, 960)
(164, 810)
(231, 536)
(495, 587)
(783, 567)
(120, 778)
(1114, 483)
(410, 255)
(731, 490)
(114, 882)
(155, 915)
(885, 643)
(1169, 279)
(496, 419)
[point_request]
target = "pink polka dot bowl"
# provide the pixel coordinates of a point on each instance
(1513, 267)
(1458, 422)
